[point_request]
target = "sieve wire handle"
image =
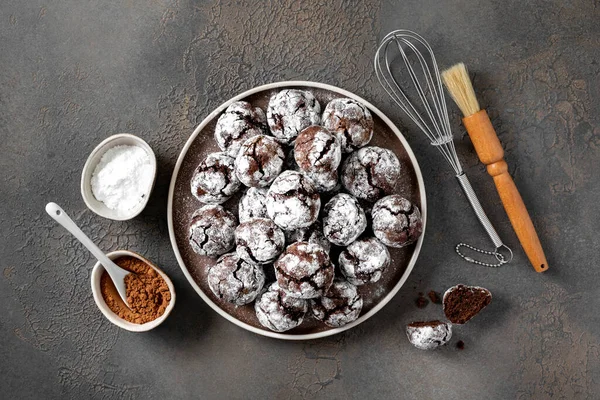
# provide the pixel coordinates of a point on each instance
(476, 205)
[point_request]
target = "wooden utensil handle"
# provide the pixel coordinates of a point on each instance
(490, 152)
(518, 215)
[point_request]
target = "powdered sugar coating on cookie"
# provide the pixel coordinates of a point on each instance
(278, 311)
(259, 241)
(429, 335)
(239, 122)
(312, 234)
(364, 261)
(317, 150)
(304, 270)
(290, 111)
(343, 219)
(253, 204)
(259, 161)
(292, 201)
(211, 231)
(235, 280)
(370, 173)
(339, 306)
(351, 122)
(325, 182)
(214, 180)
(396, 221)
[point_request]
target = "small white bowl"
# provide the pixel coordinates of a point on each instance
(109, 314)
(90, 165)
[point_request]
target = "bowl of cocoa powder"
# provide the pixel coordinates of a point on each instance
(150, 293)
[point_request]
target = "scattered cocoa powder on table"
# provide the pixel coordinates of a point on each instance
(147, 292)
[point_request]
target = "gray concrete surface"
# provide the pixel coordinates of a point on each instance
(73, 73)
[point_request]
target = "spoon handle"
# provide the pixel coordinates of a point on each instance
(117, 274)
(60, 216)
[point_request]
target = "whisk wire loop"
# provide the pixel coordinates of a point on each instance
(432, 118)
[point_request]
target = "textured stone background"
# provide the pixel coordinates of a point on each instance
(73, 73)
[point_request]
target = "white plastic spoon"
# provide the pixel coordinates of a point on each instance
(117, 274)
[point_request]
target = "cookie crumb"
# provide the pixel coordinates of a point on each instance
(434, 297)
(421, 301)
(460, 345)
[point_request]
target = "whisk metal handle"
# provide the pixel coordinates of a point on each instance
(476, 205)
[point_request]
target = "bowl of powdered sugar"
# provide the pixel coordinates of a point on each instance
(118, 177)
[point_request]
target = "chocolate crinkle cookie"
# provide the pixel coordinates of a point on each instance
(278, 311)
(325, 182)
(211, 231)
(259, 161)
(317, 150)
(351, 122)
(429, 335)
(235, 280)
(214, 180)
(239, 122)
(396, 221)
(364, 261)
(339, 306)
(259, 241)
(370, 173)
(312, 234)
(253, 204)
(290, 111)
(304, 270)
(292, 201)
(343, 220)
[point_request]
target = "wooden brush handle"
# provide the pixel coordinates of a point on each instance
(490, 152)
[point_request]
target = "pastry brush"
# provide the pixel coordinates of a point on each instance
(490, 152)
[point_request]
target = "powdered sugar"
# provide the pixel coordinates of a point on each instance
(253, 204)
(429, 335)
(304, 270)
(292, 201)
(278, 311)
(324, 181)
(339, 306)
(364, 261)
(317, 150)
(259, 241)
(237, 124)
(351, 122)
(370, 173)
(343, 220)
(396, 222)
(214, 180)
(123, 177)
(312, 234)
(211, 231)
(234, 280)
(259, 161)
(290, 111)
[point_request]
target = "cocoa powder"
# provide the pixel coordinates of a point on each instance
(147, 292)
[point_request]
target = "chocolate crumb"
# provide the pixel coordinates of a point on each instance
(434, 297)
(421, 301)
(460, 345)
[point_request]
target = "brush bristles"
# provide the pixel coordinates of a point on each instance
(459, 85)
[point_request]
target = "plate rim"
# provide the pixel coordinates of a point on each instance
(413, 258)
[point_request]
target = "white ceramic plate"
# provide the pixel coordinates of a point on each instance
(181, 205)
